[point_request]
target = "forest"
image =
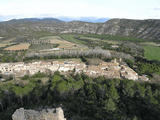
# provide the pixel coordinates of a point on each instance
(82, 97)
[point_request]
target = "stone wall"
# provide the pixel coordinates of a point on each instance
(45, 114)
(111, 69)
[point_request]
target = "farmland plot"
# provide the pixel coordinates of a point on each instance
(21, 46)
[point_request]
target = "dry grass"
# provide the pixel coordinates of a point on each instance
(7, 41)
(150, 43)
(21, 46)
(69, 59)
(63, 44)
(3, 45)
(112, 42)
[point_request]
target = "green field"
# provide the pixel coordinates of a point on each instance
(152, 52)
(72, 38)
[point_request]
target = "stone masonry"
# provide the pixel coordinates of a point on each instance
(45, 114)
(108, 69)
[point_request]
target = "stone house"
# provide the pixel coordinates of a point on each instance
(108, 69)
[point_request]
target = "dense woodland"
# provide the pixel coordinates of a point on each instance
(82, 97)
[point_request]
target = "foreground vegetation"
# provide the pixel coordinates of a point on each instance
(82, 97)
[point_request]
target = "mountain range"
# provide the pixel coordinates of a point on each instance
(146, 29)
(84, 19)
(62, 18)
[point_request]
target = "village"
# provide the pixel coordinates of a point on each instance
(111, 69)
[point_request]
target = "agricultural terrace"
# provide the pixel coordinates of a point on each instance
(63, 44)
(21, 46)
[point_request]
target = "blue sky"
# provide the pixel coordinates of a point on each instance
(133, 9)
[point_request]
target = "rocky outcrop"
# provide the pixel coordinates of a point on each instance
(45, 114)
(147, 29)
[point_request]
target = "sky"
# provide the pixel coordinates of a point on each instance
(131, 9)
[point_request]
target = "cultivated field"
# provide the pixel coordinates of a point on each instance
(89, 38)
(152, 52)
(63, 44)
(6, 42)
(3, 45)
(9, 40)
(99, 40)
(21, 46)
(150, 43)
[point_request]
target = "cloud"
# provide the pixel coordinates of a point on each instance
(156, 9)
(133, 9)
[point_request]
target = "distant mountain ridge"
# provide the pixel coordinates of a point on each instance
(37, 19)
(84, 19)
(61, 18)
(146, 29)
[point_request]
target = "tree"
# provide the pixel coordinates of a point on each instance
(140, 90)
(112, 92)
(1, 99)
(127, 87)
(56, 78)
(149, 96)
(109, 105)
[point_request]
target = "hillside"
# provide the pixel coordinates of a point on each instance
(94, 71)
(146, 29)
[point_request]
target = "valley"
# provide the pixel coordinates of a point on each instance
(90, 70)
